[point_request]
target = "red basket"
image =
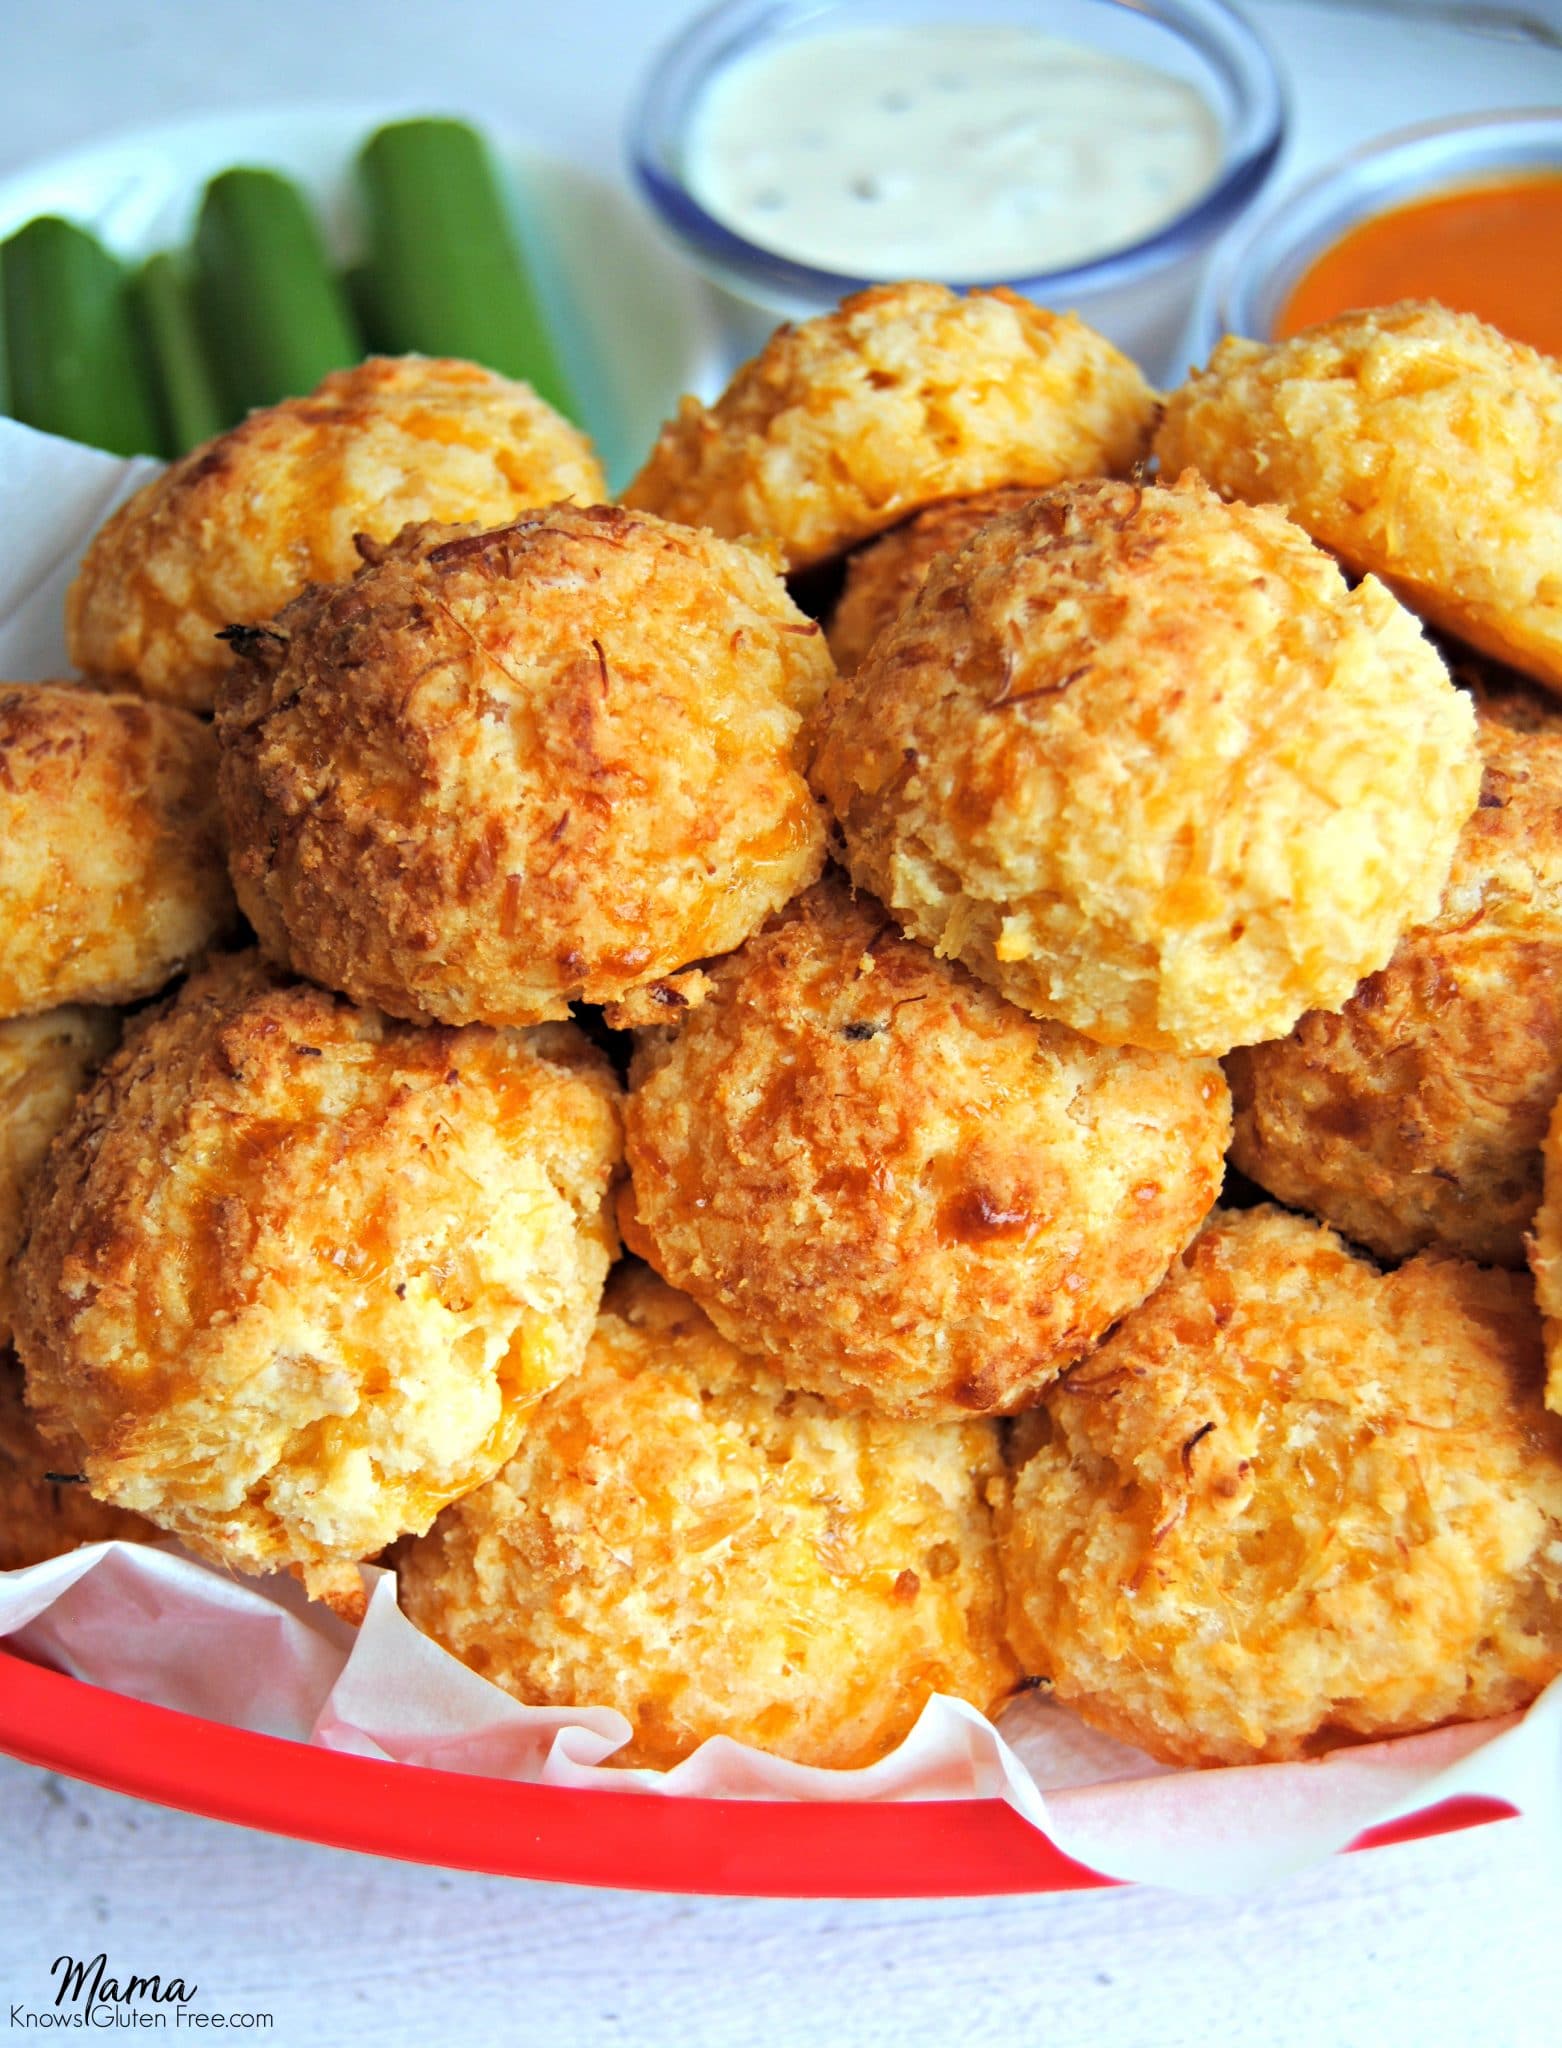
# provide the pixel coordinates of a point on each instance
(765, 1849)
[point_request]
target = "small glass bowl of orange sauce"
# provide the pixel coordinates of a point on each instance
(1467, 211)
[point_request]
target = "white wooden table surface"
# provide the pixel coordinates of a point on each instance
(1448, 1942)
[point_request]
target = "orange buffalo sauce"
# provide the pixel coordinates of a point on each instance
(1490, 249)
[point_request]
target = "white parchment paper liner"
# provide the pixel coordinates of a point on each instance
(54, 496)
(158, 1626)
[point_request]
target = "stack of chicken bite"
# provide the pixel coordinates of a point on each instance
(930, 930)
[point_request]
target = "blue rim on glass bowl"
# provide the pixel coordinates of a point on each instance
(1256, 271)
(1203, 41)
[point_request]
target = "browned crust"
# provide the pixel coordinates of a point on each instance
(1292, 1502)
(113, 876)
(43, 1516)
(44, 1065)
(1145, 762)
(231, 533)
(685, 1540)
(818, 1159)
(883, 576)
(1414, 1117)
(293, 1274)
(905, 394)
(1418, 444)
(1544, 1248)
(501, 772)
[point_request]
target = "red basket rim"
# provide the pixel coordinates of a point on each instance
(628, 1840)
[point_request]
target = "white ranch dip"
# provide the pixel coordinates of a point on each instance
(962, 154)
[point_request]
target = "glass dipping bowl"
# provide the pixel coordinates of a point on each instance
(1255, 273)
(1139, 295)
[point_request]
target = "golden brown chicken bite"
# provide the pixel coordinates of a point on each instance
(1292, 1501)
(45, 1510)
(1414, 1116)
(907, 393)
(44, 1065)
(1545, 1255)
(295, 1275)
(498, 773)
(1143, 761)
(895, 1187)
(683, 1539)
(112, 874)
(1417, 443)
(233, 531)
(883, 576)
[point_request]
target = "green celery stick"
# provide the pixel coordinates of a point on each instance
(359, 287)
(274, 316)
(192, 408)
(446, 274)
(74, 358)
(5, 368)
